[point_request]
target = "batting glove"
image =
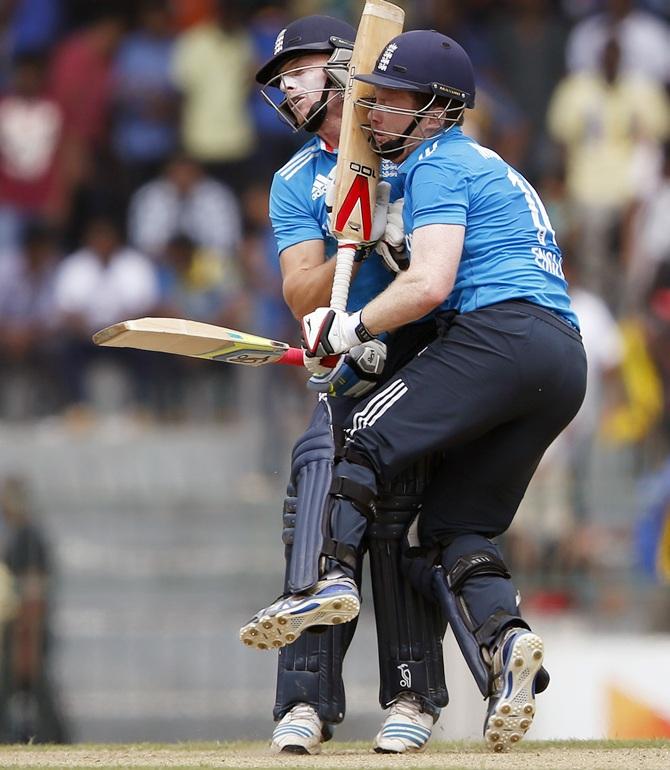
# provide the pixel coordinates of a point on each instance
(314, 366)
(356, 373)
(379, 216)
(391, 247)
(326, 331)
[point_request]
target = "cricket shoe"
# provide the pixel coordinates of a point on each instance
(406, 729)
(516, 664)
(300, 731)
(329, 603)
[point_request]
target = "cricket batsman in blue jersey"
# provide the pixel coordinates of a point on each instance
(304, 81)
(502, 379)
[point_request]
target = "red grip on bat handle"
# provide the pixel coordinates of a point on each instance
(293, 357)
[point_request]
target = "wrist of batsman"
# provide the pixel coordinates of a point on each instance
(327, 331)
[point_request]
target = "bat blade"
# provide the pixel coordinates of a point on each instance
(357, 170)
(197, 340)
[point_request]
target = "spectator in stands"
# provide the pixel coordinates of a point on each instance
(35, 25)
(649, 238)
(644, 39)
(81, 79)
(29, 384)
(276, 141)
(190, 13)
(261, 269)
(146, 102)
(185, 200)
(213, 69)
(556, 530)
(6, 10)
(29, 711)
(529, 50)
(599, 119)
(272, 318)
(604, 354)
(100, 284)
(656, 320)
(496, 121)
(31, 135)
(195, 284)
(103, 282)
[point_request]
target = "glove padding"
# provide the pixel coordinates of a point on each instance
(379, 216)
(314, 366)
(355, 374)
(391, 247)
(326, 331)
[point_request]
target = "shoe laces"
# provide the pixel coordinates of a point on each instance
(305, 711)
(407, 706)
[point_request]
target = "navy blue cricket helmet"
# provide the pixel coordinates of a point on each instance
(428, 62)
(311, 34)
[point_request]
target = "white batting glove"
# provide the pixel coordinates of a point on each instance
(391, 247)
(355, 374)
(314, 366)
(326, 331)
(379, 215)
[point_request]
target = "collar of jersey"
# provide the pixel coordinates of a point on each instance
(446, 133)
(323, 145)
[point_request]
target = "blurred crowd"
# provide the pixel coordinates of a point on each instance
(136, 155)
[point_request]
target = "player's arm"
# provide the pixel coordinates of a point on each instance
(436, 253)
(440, 200)
(307, 276)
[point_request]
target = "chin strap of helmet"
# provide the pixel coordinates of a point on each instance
(317, 113)
(393, 148)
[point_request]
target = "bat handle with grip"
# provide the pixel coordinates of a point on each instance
(346, 250)
(293, 357)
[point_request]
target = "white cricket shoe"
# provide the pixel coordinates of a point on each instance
(511, 709)
(406, 729)
(300, 731)
(330, 602)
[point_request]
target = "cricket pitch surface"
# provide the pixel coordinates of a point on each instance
(544, 755)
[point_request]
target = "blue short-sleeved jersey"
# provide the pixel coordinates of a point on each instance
(510, 249)
(298, 213)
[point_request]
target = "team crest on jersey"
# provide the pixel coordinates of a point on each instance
(279, 42)
(388, 169)
(320, 186)
(391, 48)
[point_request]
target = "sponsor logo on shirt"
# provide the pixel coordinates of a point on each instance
(320, 186)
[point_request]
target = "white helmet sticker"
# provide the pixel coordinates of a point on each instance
(279, 42)
(391, 48)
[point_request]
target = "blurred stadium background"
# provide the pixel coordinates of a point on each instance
(141, 495)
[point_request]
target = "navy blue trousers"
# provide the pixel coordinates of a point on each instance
(492, 391)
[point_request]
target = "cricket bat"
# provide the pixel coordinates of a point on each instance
(200, 340)
(357, 169)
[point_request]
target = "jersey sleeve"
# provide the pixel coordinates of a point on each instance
(292, 218)
(439, 196)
